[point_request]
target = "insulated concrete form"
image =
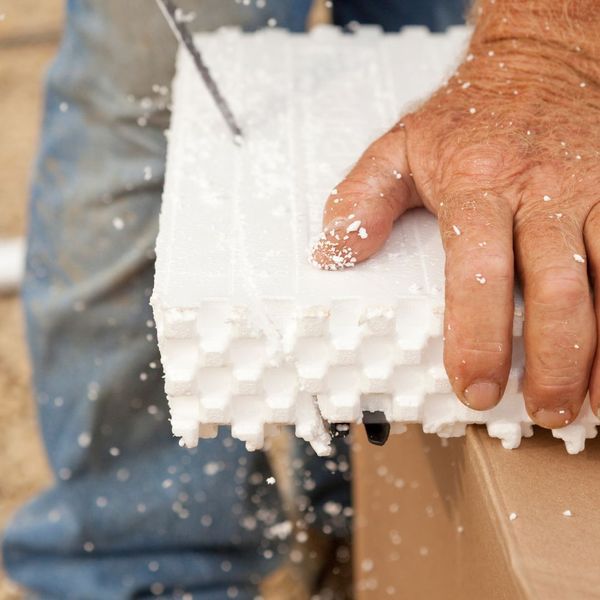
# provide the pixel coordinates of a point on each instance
(251, 335)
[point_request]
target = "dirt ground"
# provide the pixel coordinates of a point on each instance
(29, 34)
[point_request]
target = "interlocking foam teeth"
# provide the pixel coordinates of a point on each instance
(251, 335)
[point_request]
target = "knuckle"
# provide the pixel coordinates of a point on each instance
(486, 167)
(480, 163)
(468, 357)
(558, 288)
(552, 389)
(495, 266)
(477, 352)
(491, 349)
(499, 267)
(554, 369)
(475, 166)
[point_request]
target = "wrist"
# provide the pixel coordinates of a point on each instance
(561, 31)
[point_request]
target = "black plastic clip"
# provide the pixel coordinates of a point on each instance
(377, 427)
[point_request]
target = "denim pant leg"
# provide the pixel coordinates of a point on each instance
(130, 514)
(394, 14)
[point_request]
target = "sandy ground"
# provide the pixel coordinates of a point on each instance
(29, 33)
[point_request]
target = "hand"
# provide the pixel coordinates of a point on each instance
(507, 155)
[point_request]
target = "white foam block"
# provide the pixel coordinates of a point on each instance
(250, 333)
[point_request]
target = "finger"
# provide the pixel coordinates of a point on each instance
(591, 233)
(559, 332)
(476, 228)
(360, 212)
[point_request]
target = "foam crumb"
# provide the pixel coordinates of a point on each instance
(336, 256)
(354, 226)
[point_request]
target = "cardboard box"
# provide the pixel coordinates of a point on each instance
(464, 518)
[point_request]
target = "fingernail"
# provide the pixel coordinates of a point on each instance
(482, 395)
(552, 418)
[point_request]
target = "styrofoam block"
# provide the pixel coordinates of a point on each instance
(251, 335)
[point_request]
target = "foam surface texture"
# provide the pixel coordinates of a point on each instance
(251, 335)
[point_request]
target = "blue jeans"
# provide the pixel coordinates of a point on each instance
(394, 14)
(131, 514)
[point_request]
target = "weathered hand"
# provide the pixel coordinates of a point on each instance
(507, 155)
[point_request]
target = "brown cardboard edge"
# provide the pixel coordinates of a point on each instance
(483, 470)
(449, 474)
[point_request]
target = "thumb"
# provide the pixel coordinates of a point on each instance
(360, 212)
